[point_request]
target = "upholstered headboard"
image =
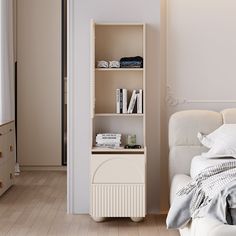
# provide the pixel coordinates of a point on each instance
(183, 141)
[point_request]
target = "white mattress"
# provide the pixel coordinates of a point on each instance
(200, 163)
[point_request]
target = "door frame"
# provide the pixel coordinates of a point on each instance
(70, 103)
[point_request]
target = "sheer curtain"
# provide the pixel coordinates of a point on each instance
(6, 61)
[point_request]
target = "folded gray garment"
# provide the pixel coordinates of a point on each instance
(212, 193)
(102, 64)
(114, 64)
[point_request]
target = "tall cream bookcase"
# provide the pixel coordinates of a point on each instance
(118, 176)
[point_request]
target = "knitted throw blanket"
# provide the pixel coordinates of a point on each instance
(205, 186)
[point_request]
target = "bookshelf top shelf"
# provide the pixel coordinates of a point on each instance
(120, 24)
(120, 115)
(119, 69)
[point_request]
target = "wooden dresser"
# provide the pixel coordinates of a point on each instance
(7, 155)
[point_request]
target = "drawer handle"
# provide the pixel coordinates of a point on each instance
(11, 148)
(11, 176)
(1, 156)
(1, 184)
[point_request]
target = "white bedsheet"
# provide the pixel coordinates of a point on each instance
(200, 163)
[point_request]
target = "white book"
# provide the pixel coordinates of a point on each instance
(118, 101)
(124, 101)
(104, 138)
(108, 145)
(132, 101)
(140, 102)
(108, 140)
(108, 135)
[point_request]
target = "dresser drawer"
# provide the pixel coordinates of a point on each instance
(8, 128)
(118, 169)
(7, 147)
(6, 177)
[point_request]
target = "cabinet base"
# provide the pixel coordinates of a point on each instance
(102, 219)
(137, 219)
(99, 219)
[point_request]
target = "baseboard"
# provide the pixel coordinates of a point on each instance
(43, 168)
(163, 213)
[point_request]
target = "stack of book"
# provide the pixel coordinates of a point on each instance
(135, 104)
(108, 140)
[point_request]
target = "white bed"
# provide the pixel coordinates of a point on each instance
(184, 145)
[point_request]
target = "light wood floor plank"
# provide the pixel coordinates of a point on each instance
(36, 206)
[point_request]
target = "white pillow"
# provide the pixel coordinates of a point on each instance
(222, 142)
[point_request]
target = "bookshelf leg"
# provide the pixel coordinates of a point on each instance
(137, 219)
(99, 219)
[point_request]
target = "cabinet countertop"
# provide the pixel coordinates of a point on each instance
(5, 122)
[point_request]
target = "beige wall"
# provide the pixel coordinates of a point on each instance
(200, 39)
(39, 82)
(201, 52)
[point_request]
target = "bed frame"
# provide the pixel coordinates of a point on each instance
(184, 145)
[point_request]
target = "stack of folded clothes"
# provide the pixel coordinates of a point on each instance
(106, 64)
(131, 62)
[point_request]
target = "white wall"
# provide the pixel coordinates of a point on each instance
(201, 53)
(200, 70)
(111, 11)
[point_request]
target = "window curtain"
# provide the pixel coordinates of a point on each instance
(7, 76)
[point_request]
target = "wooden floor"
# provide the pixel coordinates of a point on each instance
(36, 205)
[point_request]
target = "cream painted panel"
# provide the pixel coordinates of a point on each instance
(39, 82)
(118, 200)
(118, 169)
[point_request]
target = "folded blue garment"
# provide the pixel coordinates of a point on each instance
(131, 62)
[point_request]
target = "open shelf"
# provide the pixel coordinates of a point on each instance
(111, 42)
(119, 69)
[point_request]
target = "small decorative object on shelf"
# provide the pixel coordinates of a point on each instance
(133, 147)
(131, 140)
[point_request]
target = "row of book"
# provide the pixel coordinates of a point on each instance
(108, 140)
(135, 104)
